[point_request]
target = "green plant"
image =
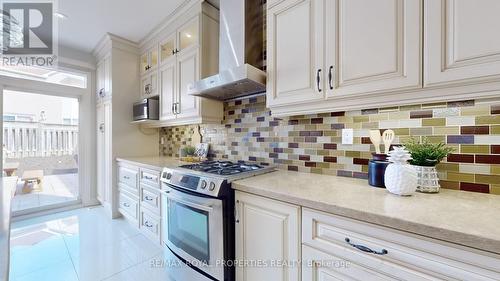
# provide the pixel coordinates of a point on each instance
(189, 150)
(426, 153)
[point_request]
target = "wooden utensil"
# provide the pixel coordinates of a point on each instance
(375, 139)
(387, 138)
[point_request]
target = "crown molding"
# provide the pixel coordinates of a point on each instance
(110, 41)
(173, 16)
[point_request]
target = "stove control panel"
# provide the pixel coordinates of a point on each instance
(197, 183)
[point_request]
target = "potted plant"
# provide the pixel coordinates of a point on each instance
(425, 156)
(188, 151)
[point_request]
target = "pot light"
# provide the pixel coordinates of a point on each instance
(188, 35)
(60, 15)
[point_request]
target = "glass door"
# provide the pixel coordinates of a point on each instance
(40, 148)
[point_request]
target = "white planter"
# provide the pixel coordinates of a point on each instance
(400, 179)
(428, 179)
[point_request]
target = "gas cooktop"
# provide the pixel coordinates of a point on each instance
(224, 168)
(211, 177)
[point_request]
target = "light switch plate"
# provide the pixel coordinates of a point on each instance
(347, 136)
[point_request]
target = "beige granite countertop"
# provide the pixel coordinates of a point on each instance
(465, 218)
(153, 162)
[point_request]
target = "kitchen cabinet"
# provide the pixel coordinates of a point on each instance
(103, 114)
(332, 247)
(187, 54)
(339, 55)
(149, 60)
(168, 90)
(149, 85)
(461, 42)
(295, 52)
(363, 250)
(266, 230)
(381, 52)
(139, 198)
(118, 73)
(103, 80)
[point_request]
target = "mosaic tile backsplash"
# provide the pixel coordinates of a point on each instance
(313, 143)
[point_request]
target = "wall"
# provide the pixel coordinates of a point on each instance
(312, 143)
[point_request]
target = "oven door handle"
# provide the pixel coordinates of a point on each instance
(208, 208)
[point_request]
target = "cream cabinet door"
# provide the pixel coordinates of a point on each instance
(462, 42)
(295, 52)
(373, 46)
(187, 72)
(269, 231)
(167, 90)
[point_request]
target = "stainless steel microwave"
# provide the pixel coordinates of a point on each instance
(146, 109)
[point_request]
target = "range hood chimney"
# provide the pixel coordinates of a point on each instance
(240, 53)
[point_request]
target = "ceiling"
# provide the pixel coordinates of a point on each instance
(89, 20)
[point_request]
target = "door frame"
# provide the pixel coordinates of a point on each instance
(86, 143)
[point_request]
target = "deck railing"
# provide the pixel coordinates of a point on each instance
(34, 139)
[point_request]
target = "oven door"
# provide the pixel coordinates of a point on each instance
(193, 229)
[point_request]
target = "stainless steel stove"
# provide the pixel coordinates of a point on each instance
(198, 216)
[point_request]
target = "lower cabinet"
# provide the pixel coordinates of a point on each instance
(139, 198)
(267, 233)
(331, 247)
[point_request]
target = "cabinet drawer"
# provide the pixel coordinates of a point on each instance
(128, 189)
(150, 198)
(319, 266)
(417, 255)
(128, 206)
(150, 177)
(127, 176)
(150, 225)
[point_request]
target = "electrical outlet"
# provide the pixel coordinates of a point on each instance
(162, 140)
(347, 136)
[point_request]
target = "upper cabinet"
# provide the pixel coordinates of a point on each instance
(295, 52)
(149, 60)
(103, 80)
(372, 46)
(188, 52)
(461, 41)
(350, 54)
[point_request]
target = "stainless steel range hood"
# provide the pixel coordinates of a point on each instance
(240, 53)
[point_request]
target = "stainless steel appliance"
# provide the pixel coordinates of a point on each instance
(241, 53)
(146, 109)
(198, 216)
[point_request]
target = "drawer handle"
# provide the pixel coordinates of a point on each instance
(126, 177)
(148, 177)
(147, 198)
(366, 249)
(146, 224)
(126, 205)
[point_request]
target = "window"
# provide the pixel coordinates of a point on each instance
(54, 76)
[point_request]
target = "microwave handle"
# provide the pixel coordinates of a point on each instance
(169, 195)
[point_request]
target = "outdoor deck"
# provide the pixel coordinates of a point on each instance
(56, 189)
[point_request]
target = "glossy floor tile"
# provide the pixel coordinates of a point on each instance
(82, 245)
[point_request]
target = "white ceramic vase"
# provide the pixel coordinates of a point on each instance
(400, 179)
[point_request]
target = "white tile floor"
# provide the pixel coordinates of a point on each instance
(56, 189)
(82, 245)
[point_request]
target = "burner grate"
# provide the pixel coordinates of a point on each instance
(223, 167)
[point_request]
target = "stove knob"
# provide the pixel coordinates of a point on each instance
(169, 176)
(212, 186)
(203, 184)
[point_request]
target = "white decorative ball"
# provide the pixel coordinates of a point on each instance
(401, 179)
